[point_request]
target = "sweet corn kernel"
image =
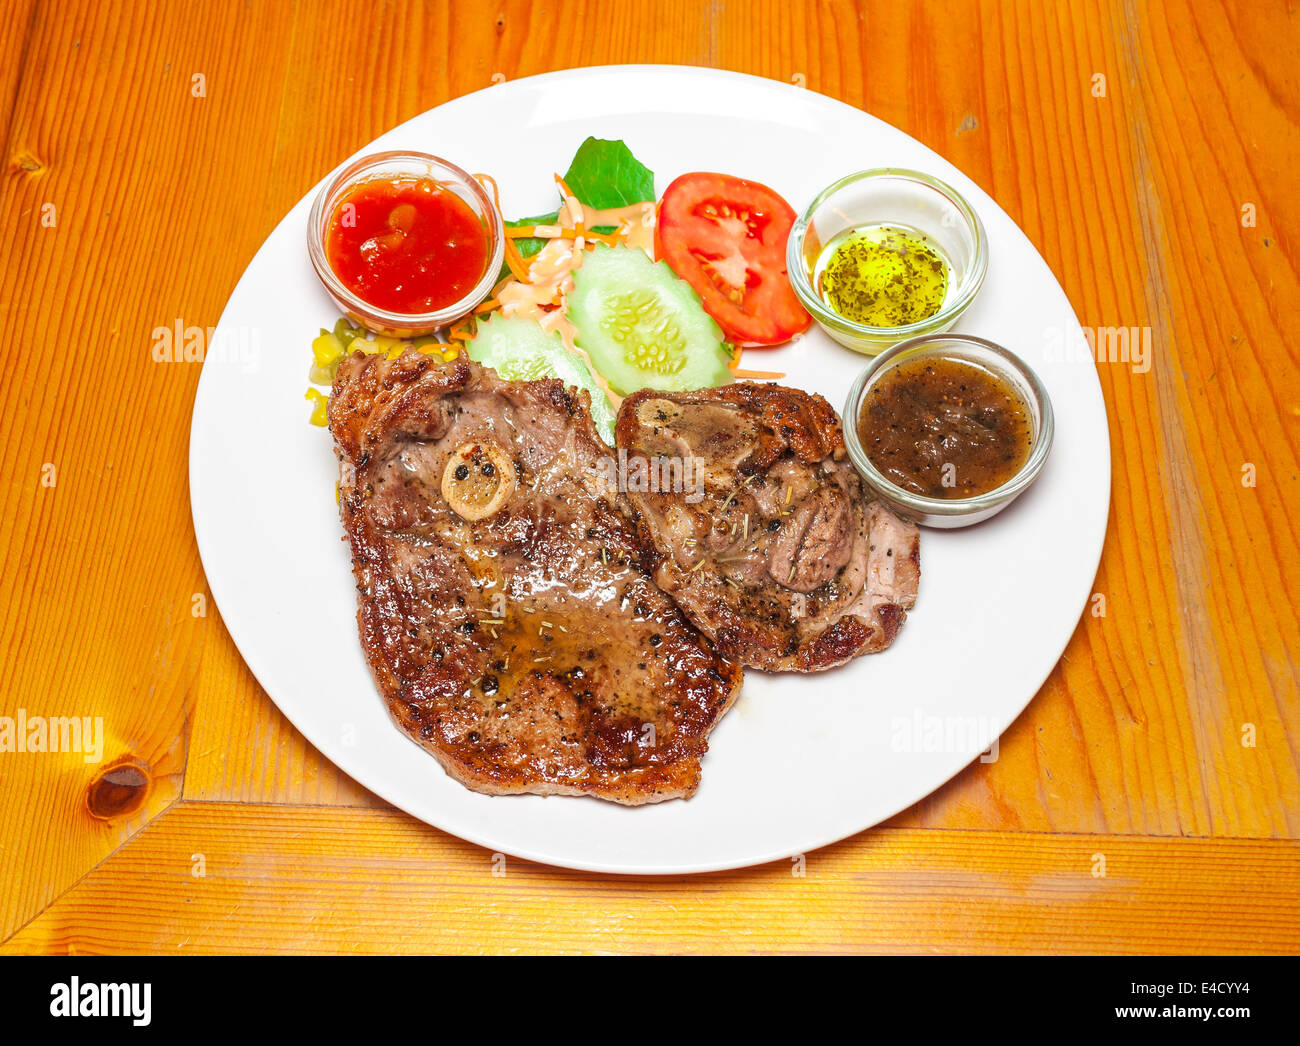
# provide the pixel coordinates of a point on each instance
(319, 404)
(326, 349)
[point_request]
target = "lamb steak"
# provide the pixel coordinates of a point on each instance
(503, 607)
(771, 548)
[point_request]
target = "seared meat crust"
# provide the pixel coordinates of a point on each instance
(771, 549)
(516, 637)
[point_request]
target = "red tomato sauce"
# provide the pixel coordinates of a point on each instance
(407, 246)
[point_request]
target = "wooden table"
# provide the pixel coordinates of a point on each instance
(1151, 154)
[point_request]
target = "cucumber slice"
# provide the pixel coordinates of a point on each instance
(519, 350)
(642, 326)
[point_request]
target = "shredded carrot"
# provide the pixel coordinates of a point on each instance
(514, 260)
(558, 232)
(577, 214)
(737, 372)
(551, 232)
(609, 239)
(462, 331)
(486, 306)
(492, 183)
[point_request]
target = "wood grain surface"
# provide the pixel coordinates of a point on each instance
(1150, 152)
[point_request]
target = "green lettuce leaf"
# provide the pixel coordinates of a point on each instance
(605, 174)
(532, 244)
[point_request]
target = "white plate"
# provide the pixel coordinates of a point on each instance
(801, 761)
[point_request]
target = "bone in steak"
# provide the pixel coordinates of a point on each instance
(771, 549)
(503, 608)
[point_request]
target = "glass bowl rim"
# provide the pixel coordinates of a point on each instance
(1044, 431)
(971, 284)
(352, 173)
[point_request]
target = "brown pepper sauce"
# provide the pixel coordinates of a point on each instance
(945, 428)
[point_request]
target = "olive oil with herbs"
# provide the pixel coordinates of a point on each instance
(882, 275)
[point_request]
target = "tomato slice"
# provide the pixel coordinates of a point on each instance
(726, 237)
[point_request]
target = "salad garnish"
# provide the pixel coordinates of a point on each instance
(581, 296)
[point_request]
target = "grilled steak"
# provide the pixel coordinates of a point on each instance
(503, 607)
(770, 548)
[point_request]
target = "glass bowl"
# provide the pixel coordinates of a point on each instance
(955, 512)
(390, 166)
(912, 201)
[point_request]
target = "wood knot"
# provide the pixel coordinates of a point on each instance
(118, 790)
(25, 161)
